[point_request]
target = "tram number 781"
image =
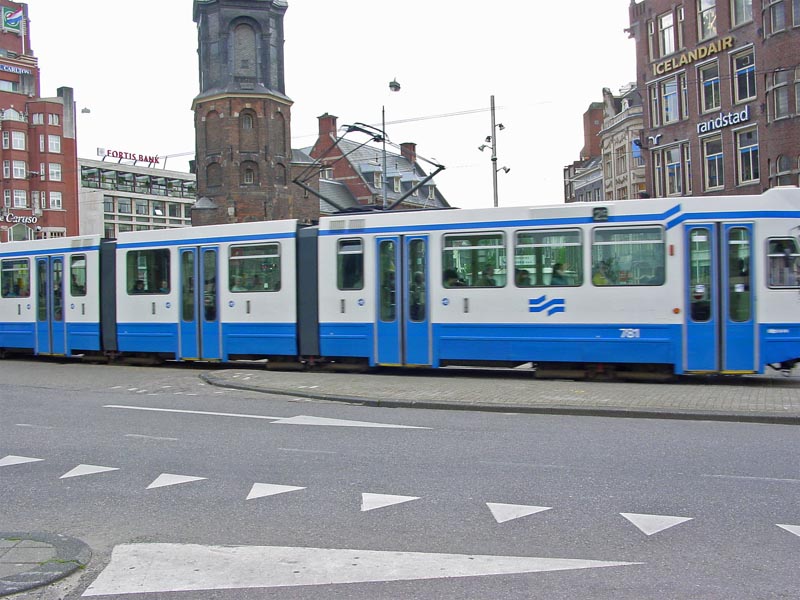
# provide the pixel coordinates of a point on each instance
(630, 333)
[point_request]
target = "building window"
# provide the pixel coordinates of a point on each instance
(706, 19)
(669, 101)
(249, 173)
(680, 30)
(55, 200)
(658, 174)
(777, 15)
(655, 111)
(7, 198)
(249, 177)
(796, 13)
(20, 199)
(741, 12)
(326, 173)
(141, 207)
(797, 86)
(124, 205)
(622, 160)
(54, 172)
(247, 121)
(6, 169)
(672, 158)
(53, 119)
(666, 34)
(18, 140)
(6, 140)
(54, 143)
(397, 184)
(744, 76)
(651, 39)
(20, 169)
(779, 90)
(747, 151)
(784, 171)
(37, 119)
(708, 77)
(687, 161)
(712, 157)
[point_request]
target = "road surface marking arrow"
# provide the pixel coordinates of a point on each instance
(650, 524)
(166, 479)
(260, 490)
(161, 568)
(795, 529)
(87, 470)
(508, 512)
(17, 460)
(373, 501)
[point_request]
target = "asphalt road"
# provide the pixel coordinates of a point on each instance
(386, 503)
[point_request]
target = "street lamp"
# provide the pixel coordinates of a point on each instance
(491, 142)
(395, 87)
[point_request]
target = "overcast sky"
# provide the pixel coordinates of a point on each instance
(134, 65)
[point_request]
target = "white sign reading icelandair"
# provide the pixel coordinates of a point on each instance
(724, 120)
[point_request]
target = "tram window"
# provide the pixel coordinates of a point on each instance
(147, 271)
(388, 279)
(700, 279)
(255, 268)
(739, 296)
(16, 278)
(548, 257)
(474, 260)
(77, 275)
(783, 263)
(628, 256)
(350, 265)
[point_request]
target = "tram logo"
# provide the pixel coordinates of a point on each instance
(541, 304)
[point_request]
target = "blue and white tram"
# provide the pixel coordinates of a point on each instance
(684, 285)
(657, 286)
(49, 301)
(207, 293)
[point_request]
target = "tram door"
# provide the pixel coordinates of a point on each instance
(199, 309)
(720, 325)
(51, 331)
(403, 316)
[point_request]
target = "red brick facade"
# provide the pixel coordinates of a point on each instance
(720, 85)
(38, 150)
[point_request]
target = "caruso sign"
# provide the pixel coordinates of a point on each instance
(724, 120)
(693, 55)
(12, 218)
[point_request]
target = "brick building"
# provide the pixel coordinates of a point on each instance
(720, 81)
(244, 161)
(38, 149)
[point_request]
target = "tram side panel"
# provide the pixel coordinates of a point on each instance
(49, 303)
(506, 305)
(347, 296)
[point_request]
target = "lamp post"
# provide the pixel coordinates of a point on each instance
(395, 87)
(491, 142)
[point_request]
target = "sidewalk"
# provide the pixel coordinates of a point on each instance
(31, 560)
(771, 398)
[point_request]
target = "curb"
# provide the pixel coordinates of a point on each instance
(71, 555)
(544, 409)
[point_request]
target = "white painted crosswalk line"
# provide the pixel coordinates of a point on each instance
(795, 529)
(17, 460)
(509, 512)
(260, 490)
(650, 524)
(87, 470)
(161, 568)
(373, 501)
(166, 479)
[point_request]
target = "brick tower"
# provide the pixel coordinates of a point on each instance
(242, 114)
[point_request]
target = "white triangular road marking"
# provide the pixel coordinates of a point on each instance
(508, 512)
(373, 501)
(307, 420)
(87, 470)
(259, 490)
(166, 479)
(795, 529)
(17, 460)
(154, 568)
(650, 524)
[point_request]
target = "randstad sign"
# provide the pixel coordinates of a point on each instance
(724, 120)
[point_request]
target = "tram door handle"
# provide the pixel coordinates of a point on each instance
(342, 305)
(154, 308)
(466, 305)
(248, 307)
(19, 309)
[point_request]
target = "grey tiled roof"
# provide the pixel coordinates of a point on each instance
(337, 192)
